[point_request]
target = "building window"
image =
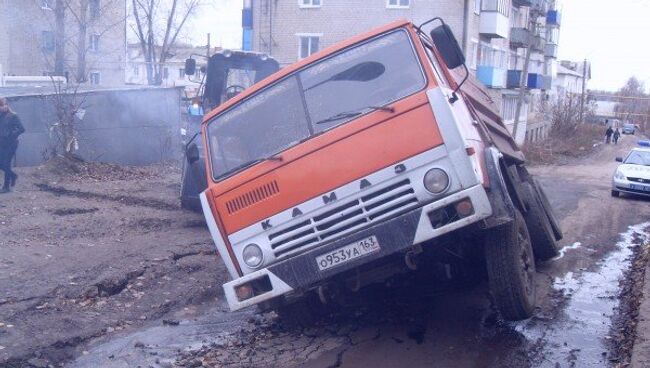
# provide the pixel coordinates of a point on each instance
(181, 73)
(94, 78)
(136, 70)
(477, 7)
(492, 56)
(309, 3)
(46, 4)
(94, 8)
(47, 41)
(308, 45)
(398, 4)
(473, 54)
(500, 6)
(94, 42)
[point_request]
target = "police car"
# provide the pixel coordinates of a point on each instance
(633, 175)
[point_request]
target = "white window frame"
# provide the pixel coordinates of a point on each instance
(301, 35)
(473, 53)
(46, 4)
(311, 5)
(91, 77)
(397, 4)
(477, 7)
(94, 42)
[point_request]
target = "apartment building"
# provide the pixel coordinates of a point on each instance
(28, 39)
(494, 35)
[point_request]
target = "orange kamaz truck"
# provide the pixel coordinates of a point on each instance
(369, 159)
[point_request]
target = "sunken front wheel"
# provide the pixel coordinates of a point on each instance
(511, 269)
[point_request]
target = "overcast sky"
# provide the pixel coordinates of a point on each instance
(613, 34)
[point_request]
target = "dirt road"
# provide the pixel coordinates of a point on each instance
(135, 283)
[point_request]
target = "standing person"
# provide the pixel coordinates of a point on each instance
(608, 135)
(617, 135)
(10, 129)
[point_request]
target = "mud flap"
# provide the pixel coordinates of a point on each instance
(503, 210)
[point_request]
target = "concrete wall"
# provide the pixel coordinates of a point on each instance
(130, 127)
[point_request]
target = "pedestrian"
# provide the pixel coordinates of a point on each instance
(608, 135)
(617, 135)
(10, 129)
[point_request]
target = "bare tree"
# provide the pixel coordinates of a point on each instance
(634, 103)
(157, 27)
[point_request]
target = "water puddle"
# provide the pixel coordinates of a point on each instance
(578, 335)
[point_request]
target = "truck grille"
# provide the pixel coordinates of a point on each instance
(370, 206)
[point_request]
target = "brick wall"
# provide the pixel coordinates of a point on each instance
(22, 23)
(337, 20)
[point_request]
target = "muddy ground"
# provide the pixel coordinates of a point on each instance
(99, 267)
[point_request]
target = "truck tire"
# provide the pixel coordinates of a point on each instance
(511, 269)
(539, 226)
(548, 209)
(303, 312)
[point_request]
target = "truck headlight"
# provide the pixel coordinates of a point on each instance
(253, 255)
(436, 181)
(619, 175)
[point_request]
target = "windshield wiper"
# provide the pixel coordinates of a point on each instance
(351, 114)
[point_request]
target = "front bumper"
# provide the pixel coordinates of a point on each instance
(631, 187)
(302, 273)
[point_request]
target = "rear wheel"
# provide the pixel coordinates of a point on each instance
(555, 225)
(511, 269)
(615, 193)
(539, 226)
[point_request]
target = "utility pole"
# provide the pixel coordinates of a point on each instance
(207, 51)
(582, 96)
(523, 81)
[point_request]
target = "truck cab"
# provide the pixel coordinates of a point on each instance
(347, 166)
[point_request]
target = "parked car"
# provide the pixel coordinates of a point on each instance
(629, 128)
(633, 175)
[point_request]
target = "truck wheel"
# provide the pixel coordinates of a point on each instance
(539, 226)
(555, 225)
(303, 312)
(511, 269)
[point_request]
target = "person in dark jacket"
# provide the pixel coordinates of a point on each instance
(608, 135)
(10, 129)
(617, 135)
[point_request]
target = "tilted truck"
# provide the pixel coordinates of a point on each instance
(365, 160)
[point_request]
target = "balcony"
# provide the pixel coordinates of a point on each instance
(491, 76)
(538, 43)
(494, 24)
(494, 21)
(551, 51)
(514, 77)
(547, 82)
(522, 2)
(553, 18)
(519, 37)
(535, 81)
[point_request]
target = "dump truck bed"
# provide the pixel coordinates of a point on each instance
(492, 126)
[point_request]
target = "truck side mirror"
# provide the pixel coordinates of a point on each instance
(190, 66)
(448, 46)
(619, 159)
(192, 153)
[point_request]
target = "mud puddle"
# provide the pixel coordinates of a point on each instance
(579, 335)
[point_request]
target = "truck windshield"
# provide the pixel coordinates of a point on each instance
(359, 79)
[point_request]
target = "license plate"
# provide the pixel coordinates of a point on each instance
(640, 187)
(347, 253)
